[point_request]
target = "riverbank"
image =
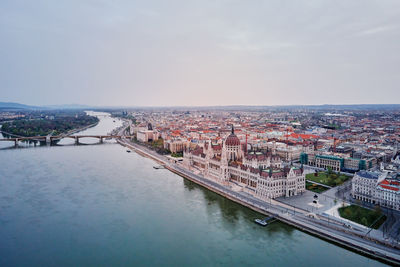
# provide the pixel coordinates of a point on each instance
(73, 131)
(298, 218)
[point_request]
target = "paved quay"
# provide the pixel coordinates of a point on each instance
(300, 217)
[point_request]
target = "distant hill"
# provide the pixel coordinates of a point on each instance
(12, 105)
(69, 106)
(18, 106)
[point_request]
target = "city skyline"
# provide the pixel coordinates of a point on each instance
(126, 53)
(214, 132)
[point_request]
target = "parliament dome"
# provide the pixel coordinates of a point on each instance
(232, 139)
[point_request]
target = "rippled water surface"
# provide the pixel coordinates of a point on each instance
(96, 205)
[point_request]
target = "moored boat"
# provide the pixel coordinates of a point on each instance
(261, 222)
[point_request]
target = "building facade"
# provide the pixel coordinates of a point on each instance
(175, 146)
(337, 162)
(387, 193)
(377, 188)
(261, 175)
(146, 135)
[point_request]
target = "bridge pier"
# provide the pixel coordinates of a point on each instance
(52, 141)
(16, 142)
(76, 140)
(101, 139)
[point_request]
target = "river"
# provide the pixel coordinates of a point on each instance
(97, 205)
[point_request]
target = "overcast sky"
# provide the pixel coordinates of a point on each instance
(217, 52)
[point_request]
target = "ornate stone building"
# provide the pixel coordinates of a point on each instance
(261, 174)
(379, 188)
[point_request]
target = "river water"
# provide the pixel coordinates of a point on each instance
(97, 205)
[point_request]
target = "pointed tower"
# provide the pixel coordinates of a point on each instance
(233, 147)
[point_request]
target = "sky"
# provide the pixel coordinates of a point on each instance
(199, 53)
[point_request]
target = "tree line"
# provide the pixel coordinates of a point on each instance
(50, 124)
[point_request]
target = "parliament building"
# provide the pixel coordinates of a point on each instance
(261, 174)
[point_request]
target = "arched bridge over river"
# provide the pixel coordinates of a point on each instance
(55, 138)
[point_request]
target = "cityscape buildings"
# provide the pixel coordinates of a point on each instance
(262, 152)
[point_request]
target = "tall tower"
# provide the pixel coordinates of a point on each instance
(224, 165)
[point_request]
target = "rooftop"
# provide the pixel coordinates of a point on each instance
(369, 175)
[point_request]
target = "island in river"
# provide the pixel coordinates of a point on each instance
(42, 123)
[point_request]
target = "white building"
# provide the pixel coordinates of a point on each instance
(376, 188)
(146, 135)
(288, 153)
(364, 184)
(176, 145)
(258, 174)
(387, 193)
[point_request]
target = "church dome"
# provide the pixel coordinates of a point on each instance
(232, 139)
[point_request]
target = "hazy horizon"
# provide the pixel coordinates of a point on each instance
(74, 105)
(208, 53)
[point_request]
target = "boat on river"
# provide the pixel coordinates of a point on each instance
(159, 167)
(265, 222)
(261, 222)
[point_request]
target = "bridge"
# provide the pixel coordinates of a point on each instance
(54, 138)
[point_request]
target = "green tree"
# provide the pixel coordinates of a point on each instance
(364, 221)
(347, 213)
(329, 171)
